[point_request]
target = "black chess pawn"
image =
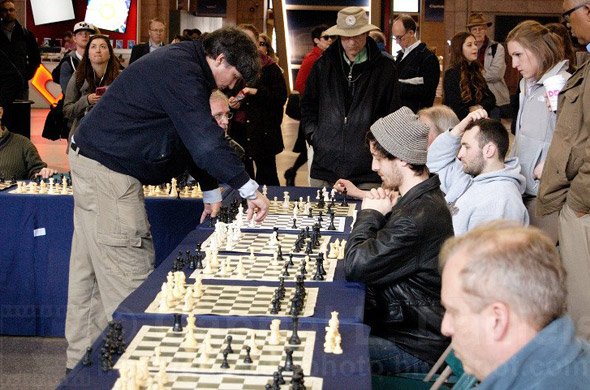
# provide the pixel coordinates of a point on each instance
(294, 339)
(307, 232)
(320, 262)
(279, 253)
(309, 247)
(286, 270)
(248, 359)
(275, 381)
(291, 259)
(281, 379)
(275, 308)
(87, 361)
(320, 218)
(288, 360)
(310, 213)
(298, 378)
(318, 272)
(333, 201)
(294, 226)
(302, 269)
(225, 364)
(228, 348)
(177, 322)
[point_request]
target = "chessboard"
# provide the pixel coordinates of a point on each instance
(43, 188)
(265, 268)
(261, 243)
(285, 222)
(188, 192)
(161, 345)
(278, 207)
(183, 381)
(6, 184)
(236, 300)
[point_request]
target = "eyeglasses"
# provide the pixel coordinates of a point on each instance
(566, 14)
(399, 38)
(328, 37)
(226, 115)
(262, 44)
(158, 30)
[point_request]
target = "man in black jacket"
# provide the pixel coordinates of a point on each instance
(418, 67)
(350, 87)
(394, 248)
(19, 58)
(157, 32)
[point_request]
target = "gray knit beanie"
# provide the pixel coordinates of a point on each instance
(403, 135)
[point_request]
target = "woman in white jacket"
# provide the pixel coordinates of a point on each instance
(537, 54)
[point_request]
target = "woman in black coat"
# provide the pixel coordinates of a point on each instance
(465, 88)
(258, 115)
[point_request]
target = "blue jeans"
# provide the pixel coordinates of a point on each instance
(389, 359)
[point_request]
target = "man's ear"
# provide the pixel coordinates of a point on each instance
(499, 320)
(220, 58)
(489, 150)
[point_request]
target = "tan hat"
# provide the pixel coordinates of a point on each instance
(351, 21)
(477, 19)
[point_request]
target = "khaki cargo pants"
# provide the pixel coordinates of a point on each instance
(112, 249)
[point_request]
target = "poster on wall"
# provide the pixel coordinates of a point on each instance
(434, 10)
(59, 11)
(108, 14)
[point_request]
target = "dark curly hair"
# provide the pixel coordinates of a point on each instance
(471, 72)
(238, 49)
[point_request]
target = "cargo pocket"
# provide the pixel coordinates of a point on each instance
(132, 257)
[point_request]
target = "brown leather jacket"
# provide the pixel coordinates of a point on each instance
(566, 175)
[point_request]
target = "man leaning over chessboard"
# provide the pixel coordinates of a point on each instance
(149, 126)
(394, 247)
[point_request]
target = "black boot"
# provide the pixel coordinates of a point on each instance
(290, 177)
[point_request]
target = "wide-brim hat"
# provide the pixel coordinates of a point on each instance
(477, 19)
(351, 21)
(83, 26)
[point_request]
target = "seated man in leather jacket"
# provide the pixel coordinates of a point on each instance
(394, 248)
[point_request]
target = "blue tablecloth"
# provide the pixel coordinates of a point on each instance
(36, 232)
(348, 370)
(341, 296)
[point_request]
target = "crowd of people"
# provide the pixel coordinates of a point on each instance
(508, 301)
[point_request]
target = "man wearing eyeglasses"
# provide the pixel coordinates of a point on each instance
(418, 67)
(565, 182)
(351, 86)
(157, 33)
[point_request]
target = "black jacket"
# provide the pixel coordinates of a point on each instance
(257, 124)
(20, 57)
(139, 51)
(452, 95)
(420, 62)
(336, 113)
(397, 257)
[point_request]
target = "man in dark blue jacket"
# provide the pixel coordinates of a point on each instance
(394, 247)
(149, 127)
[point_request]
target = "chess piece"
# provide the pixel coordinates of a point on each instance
(177, 323)
(281, 380)
(294, 226)
(294, 339)
(331, 226)
(288, 360)
(87, 361)
(248, 358)
(225, 364)
(297, 379)
(344, 199)
(228, 348)
(275, 335)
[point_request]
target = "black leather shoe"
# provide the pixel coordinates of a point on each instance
(290, 177)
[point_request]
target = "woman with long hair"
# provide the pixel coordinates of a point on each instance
(465, 88)
(98, 68)
(537, 53)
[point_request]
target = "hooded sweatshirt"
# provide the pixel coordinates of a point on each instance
(475, 200)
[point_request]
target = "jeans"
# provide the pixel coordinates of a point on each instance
(389, 359)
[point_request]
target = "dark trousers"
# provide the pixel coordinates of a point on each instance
(266, 170)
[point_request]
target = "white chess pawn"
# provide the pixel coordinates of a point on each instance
(142, 373)
(64, 185)
(198, 287)
(264, 190)
(286, 200)
(156, 358)
(317, 196)
(188, 302)
(163, 306)
(275, 333)
(240, 270)
(275, 200)
(341, 250)
(253, 220)
(252, 256)
(251, 342)
(275, 257)
(162, 375)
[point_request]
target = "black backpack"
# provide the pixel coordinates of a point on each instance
(55, 73)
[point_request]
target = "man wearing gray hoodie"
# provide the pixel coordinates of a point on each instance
(479, 185)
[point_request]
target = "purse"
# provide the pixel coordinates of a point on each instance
(56, 126)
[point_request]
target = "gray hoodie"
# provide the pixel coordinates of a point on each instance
(475, 200)
(534, 126)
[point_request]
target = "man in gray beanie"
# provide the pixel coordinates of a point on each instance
(394, 248)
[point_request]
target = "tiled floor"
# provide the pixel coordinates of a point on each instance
(54, 152)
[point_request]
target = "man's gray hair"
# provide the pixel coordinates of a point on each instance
(511, 264)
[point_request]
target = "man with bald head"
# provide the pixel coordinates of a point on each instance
(565, 182)
(503, 288)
